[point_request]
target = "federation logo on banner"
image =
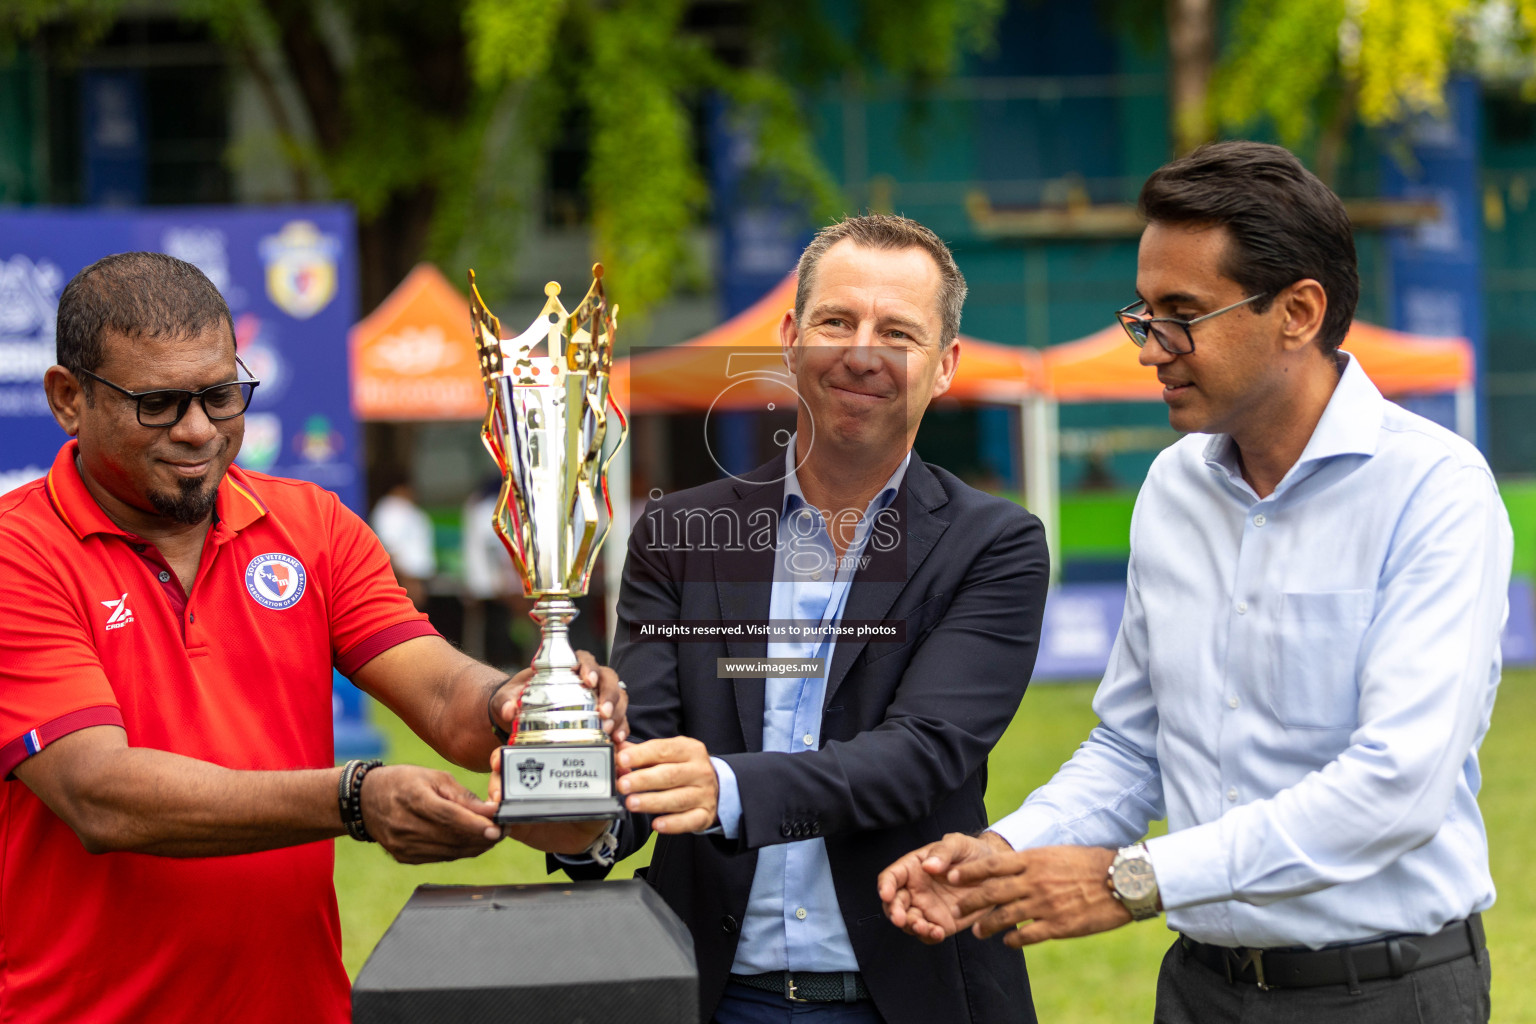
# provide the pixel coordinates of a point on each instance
(301, 268)
(276, 581)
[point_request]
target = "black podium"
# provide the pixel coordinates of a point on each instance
(593, 952)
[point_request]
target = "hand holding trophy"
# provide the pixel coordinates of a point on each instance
(549, 425)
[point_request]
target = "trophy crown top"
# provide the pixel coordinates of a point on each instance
(530, 765)
(578, 341)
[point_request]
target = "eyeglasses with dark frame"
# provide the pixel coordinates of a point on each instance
(166, 406)
(1139, 326)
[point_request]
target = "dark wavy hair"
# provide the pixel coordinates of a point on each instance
(1284, 223)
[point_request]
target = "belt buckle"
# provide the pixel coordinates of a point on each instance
(790, 990)
(1255, 959)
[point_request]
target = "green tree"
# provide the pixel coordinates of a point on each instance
(1311, 67)
(431, 118)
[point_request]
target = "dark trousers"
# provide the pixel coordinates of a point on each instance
(1188, 992)
(743, 1005)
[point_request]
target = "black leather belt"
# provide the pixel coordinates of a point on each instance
(1389, 957)
(809, 986)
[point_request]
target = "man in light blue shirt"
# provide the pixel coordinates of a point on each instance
(821, 655)
(1307, 661)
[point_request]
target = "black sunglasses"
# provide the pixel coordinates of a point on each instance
(165, 407)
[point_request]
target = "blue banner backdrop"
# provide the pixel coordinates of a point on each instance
(289, 276)
(1437, 267)
(1082, 620)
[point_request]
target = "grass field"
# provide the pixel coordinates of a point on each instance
(1106, 978)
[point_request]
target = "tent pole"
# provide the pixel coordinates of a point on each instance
(1040, 470)
(1466, 413)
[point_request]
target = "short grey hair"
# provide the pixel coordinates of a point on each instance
(893, 233)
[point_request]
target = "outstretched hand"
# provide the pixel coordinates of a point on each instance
(421, 815)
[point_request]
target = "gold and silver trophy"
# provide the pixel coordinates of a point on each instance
(553, 428)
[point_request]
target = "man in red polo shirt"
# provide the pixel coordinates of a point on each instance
(170, 623)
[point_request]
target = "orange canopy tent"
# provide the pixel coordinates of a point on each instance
(1103, 368)
(414, 357)
(736, 366)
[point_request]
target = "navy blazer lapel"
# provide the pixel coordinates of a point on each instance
(743, 579)
(871, 596)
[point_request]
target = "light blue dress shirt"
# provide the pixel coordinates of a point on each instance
(1302, 682)
(793, 922)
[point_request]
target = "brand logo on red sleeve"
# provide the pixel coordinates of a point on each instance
(121, 615)
(275, 581)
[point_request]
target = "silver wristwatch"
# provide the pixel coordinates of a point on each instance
(1132, 882)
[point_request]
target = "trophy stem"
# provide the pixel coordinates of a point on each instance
(556, 707)
(554, 616)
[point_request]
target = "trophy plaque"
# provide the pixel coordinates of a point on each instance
(553, 428)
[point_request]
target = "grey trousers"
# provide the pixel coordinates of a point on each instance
(1188, 992)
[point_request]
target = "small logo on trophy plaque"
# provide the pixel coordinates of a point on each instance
(530, 773)
(552, 428)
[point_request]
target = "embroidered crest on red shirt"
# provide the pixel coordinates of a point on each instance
(276, 581)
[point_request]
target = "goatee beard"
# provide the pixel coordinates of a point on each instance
(189, 507)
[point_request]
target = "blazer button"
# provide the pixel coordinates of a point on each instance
(787, 830)
(815, 828)
(728, 925)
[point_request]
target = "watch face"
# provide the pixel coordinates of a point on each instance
(1133, 879)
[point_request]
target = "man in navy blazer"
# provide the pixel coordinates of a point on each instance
(778, 798)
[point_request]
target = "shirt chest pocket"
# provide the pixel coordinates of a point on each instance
(1317, 646)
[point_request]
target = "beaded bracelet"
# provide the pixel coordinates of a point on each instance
(349, 797)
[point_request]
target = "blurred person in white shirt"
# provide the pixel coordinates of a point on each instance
(406, 533)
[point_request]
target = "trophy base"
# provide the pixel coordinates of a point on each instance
(527, 812)
(557, 782)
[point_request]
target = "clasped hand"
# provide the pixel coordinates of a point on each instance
(982, 884)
